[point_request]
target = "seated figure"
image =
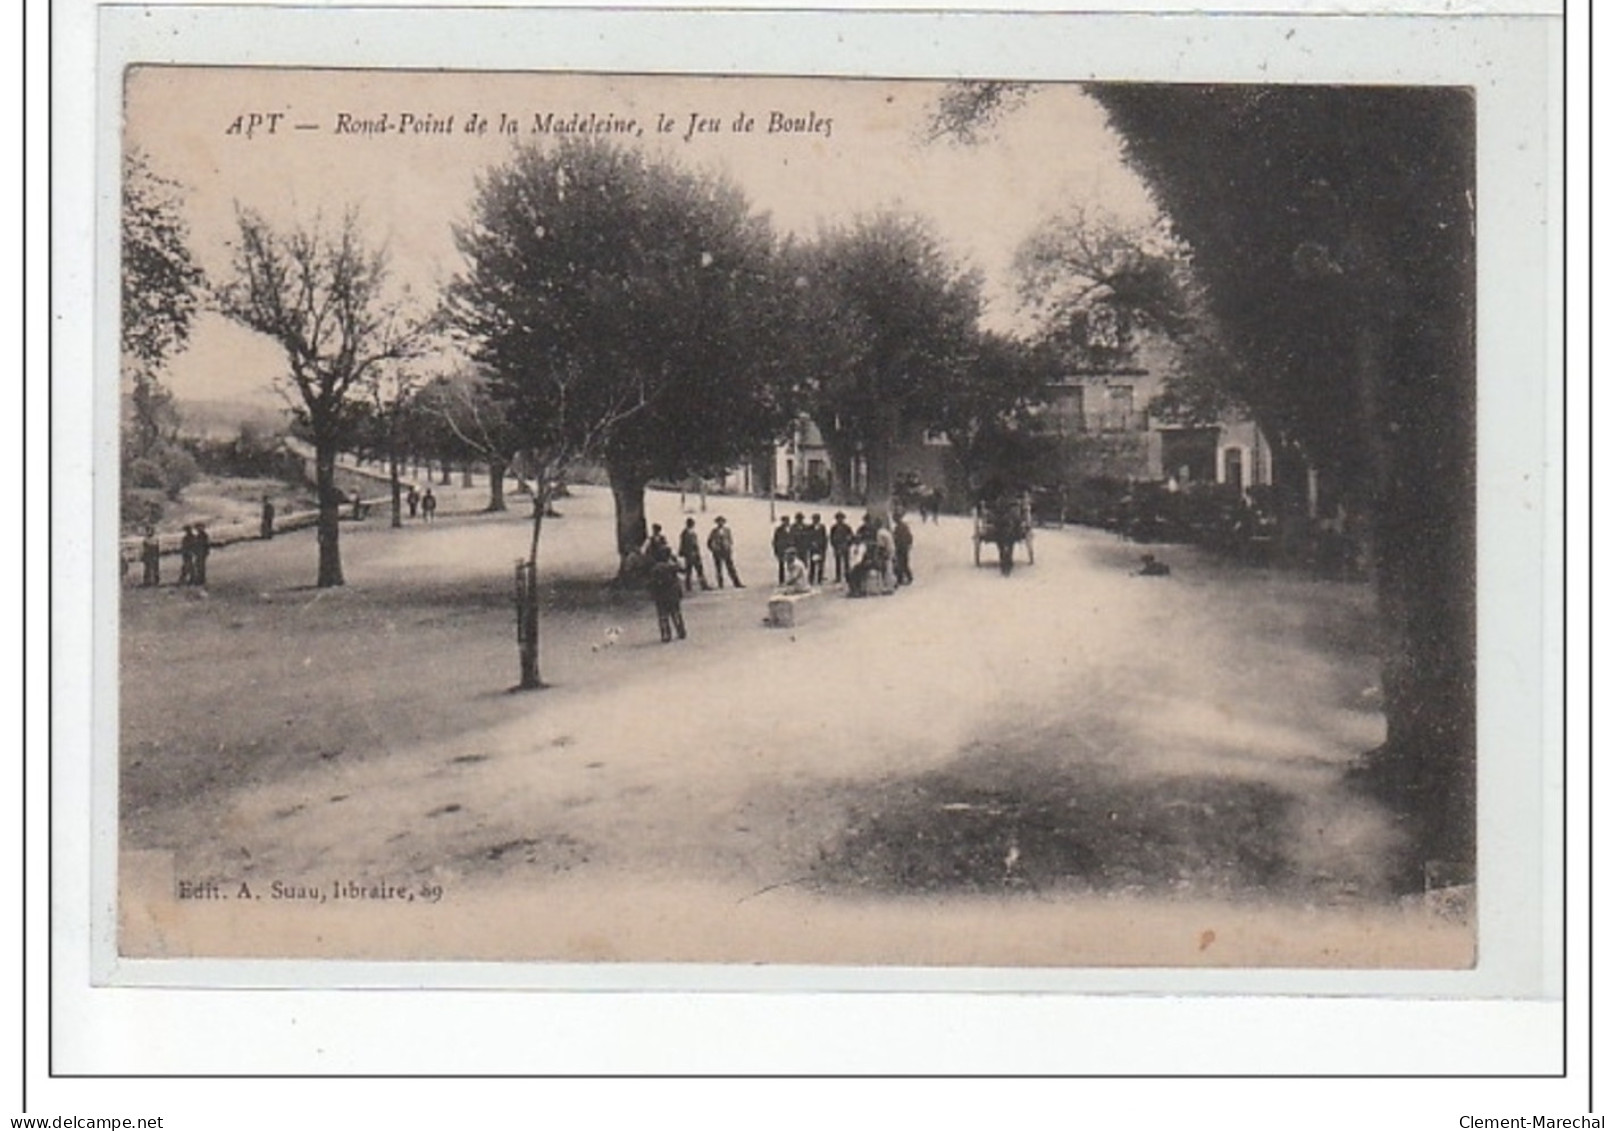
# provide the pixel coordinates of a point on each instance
(796, 575)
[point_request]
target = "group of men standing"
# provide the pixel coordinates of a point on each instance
(801, 547)
(194, 549)
(664, 571)
(809, 543)
(423, 504)
(884, 560)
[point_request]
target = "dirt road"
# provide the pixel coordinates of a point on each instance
(1070, 765)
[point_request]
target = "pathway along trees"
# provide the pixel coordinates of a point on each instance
(614, 297)
(320, 294)
(462, 406)
(1333, 229)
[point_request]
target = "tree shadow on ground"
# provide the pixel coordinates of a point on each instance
(561, 594)
(1074, 829)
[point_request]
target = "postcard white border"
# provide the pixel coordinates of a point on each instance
(1519, 426)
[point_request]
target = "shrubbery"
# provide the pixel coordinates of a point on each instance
(152, 480)
(253, 453)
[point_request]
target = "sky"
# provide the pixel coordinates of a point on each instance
(857, 146)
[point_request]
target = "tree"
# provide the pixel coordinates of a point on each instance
(387, 426)
(905, 333)
(645, 288)
(320, 294)
(1333, 230)
(991, 414)
(464, 405)
(1094, 286)
(161, 284)
(160, 288)
(1202, 384)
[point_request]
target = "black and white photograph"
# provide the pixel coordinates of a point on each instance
(603, 518)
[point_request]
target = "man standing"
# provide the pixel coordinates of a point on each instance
(841, 545)
(722, 544)
(428, 505)
(818, 541)
(413, 499)
(187, 557)
(865, 534)
(800, 538)
(150, 557)
(266, 520)
(203, 546)
(656, 543)
(782, 542)
(664, 590)
(690, 552)
(885, 551)
(902, 543)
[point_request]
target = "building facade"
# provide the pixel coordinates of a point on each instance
(1105, 432)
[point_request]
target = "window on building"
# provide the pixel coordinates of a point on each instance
(1119, 408)
(1071, 415)
(936, 438)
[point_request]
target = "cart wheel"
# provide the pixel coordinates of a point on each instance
(977, 542)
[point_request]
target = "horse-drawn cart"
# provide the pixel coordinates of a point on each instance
(1004, 521)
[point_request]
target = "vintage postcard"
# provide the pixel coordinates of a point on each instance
(610, 517)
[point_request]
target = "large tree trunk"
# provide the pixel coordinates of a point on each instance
(397, 490)
(1424, 540)
(628, 494)
(330, 513)
(465, 474)
(878, 455)
(1382, 249)
(445, 480)
(496, 484)
(841, 454)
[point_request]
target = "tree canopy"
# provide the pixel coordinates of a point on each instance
(459, 413)
(625, 309)
(1094, 286)
(1315, 212)
(320, 293)
(161, 286)
(161, 282)
(900, 336)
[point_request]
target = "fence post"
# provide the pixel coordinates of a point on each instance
(527, 622)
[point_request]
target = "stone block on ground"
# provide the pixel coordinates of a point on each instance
(782, 609)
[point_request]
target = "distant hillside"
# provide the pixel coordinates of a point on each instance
(222, 418)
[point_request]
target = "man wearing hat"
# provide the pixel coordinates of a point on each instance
(203, 545)
(665, 591)
(841, 545)
(690, 552)
(818, 545)
(187, 556)
(783, 540)
(721, 541)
